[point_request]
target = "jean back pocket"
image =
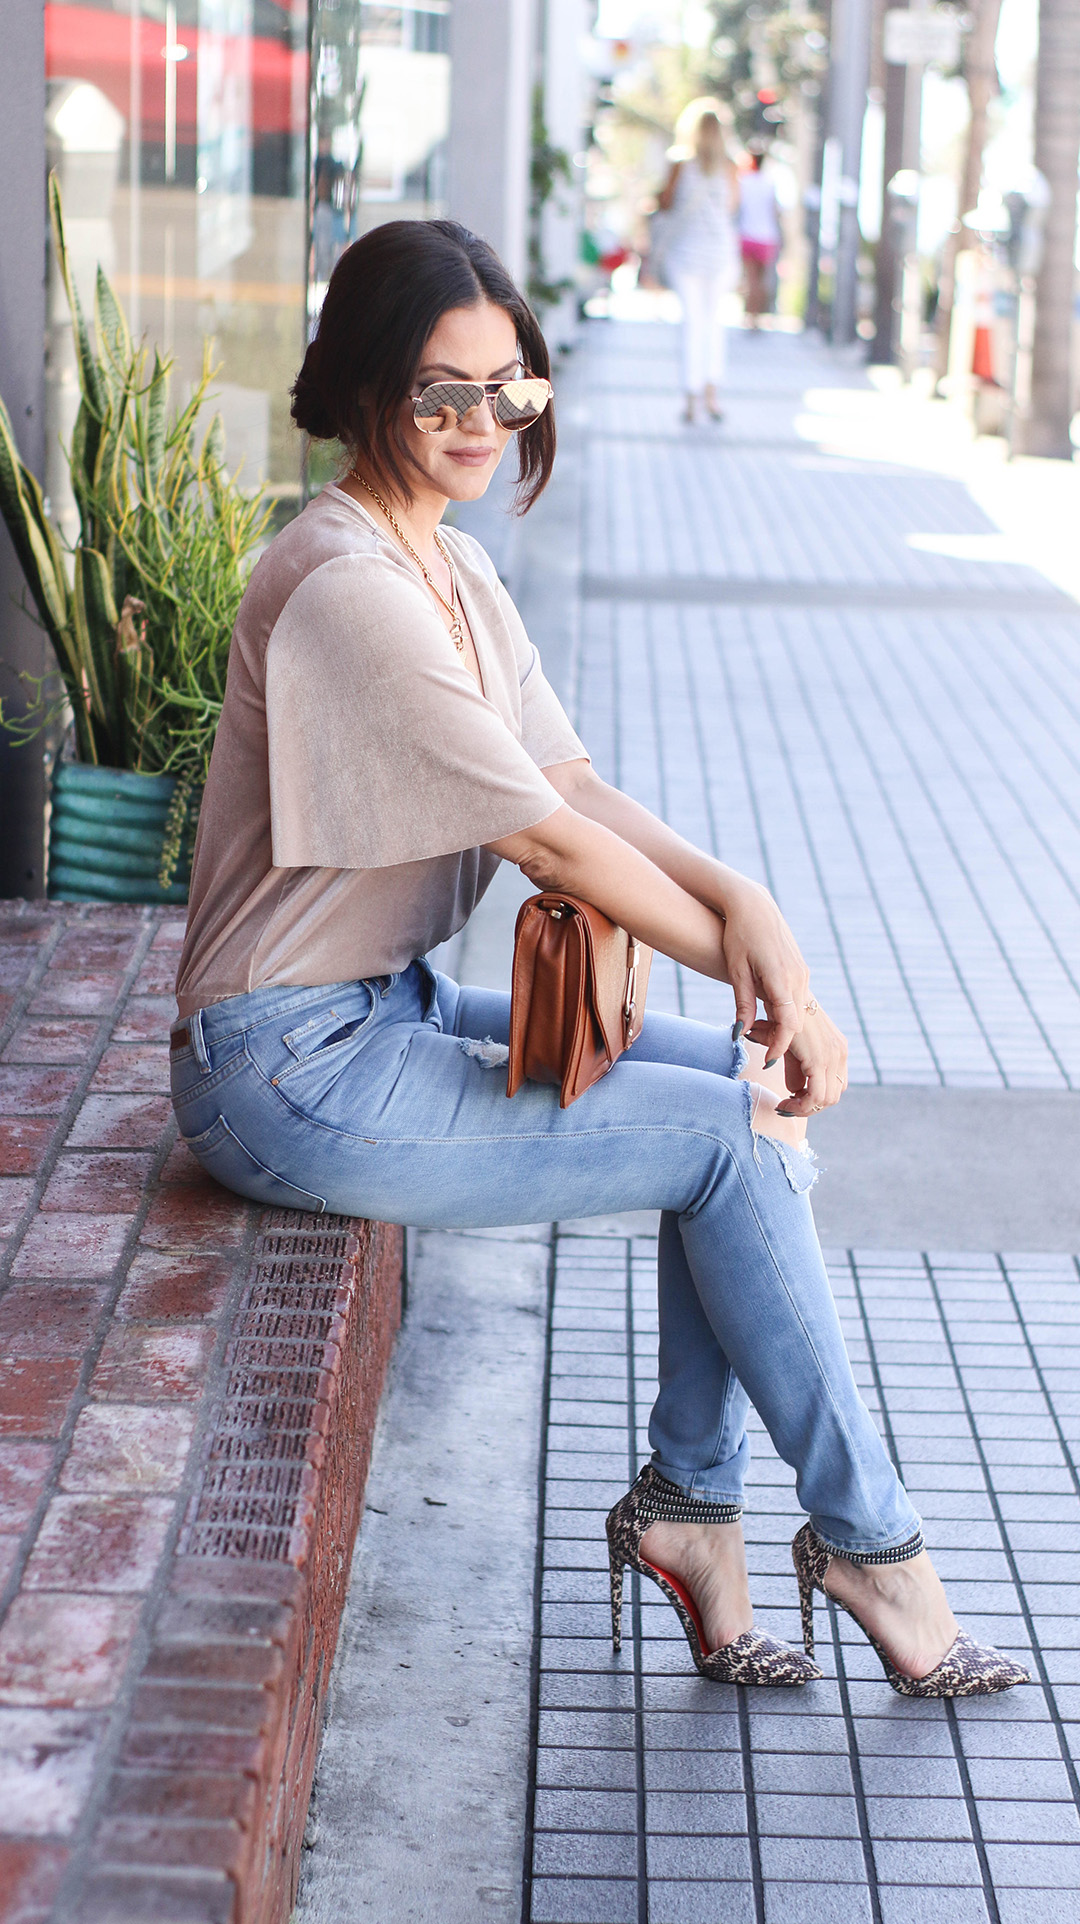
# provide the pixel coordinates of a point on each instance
(224, 1157)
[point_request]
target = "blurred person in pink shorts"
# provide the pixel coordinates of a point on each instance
(759, 235)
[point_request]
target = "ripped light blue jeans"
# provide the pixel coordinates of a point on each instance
(387, 1099)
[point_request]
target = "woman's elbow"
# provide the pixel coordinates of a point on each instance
(539, 852)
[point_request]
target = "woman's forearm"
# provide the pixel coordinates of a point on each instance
(584, 857)
(712, 883)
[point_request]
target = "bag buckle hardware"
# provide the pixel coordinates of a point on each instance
(630, 1003)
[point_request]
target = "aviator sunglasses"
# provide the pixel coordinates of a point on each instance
(514, 404)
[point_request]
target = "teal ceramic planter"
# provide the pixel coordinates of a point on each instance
(108, 829)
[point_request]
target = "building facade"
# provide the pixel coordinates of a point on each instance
(216, 156)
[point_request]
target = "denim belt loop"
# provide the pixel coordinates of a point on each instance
(198, 1041)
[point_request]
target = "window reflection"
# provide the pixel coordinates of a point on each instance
(216, 156)
(179, 129)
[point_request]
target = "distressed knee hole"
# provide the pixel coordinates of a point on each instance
(764, 1120)
(489, 1054)
(785, 1136)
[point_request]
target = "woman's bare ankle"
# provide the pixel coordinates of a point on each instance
(902, 1605)
(709, 1560)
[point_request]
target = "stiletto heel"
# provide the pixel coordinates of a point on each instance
(968, 1669)
(616, 1570)
(806, 1607)
(751, 1658)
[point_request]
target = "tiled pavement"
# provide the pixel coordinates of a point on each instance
(885, 735)
(664, 1799)
(888, 737)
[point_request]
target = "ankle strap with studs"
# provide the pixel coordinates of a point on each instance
(658, 1501)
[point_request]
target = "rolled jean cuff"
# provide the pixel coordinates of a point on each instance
(696, 1485)
(908, 1546)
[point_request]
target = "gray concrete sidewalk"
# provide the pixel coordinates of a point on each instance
(763, 651)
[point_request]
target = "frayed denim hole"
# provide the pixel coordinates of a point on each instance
(489, 1054)
(740, 1056)
(799, 1163)
(750, 1095)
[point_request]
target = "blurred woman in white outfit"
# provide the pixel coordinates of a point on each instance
(701, 259)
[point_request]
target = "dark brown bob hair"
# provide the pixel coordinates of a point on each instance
(386, 294)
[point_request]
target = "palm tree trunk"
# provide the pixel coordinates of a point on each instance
(1057, 150)
(980, 73)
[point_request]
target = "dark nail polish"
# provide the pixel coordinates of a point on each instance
(789, 1113)
(737, 1031)
(772, 1062)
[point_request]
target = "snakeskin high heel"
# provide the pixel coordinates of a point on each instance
(968, 1669)
(751, 1658)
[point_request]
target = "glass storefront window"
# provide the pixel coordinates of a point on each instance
(380, 120)
(179, 131)
(216, 156)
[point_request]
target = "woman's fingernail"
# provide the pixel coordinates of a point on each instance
(772, 1062)
(737, 1031)
(787, 1112)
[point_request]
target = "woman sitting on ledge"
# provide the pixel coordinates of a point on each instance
(387, 739)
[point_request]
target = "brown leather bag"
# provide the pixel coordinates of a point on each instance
(577, 997)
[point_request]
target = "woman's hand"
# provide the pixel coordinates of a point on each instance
(764, 963)
(815, 1066)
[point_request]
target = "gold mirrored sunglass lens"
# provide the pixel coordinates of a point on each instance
(519, 403)
(443, 404)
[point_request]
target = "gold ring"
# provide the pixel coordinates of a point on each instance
(810, 1008)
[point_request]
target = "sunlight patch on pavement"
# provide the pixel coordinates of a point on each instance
(1033, 503)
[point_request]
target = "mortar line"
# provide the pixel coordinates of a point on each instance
(538, 1590)
(635, 1608)
(951, 1718)
(753, 1831)
(866, 1840)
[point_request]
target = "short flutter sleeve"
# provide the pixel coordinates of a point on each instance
(381, 747)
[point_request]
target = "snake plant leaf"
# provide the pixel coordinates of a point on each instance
(96, 621)
(35, 544)
(213, 447)
(154, 416)
(110, 320)
(90, 378)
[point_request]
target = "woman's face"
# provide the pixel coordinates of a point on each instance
(468, 344)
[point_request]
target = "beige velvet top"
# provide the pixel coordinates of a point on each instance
(358, 769)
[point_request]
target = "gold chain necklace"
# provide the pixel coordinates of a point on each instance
(457, 633)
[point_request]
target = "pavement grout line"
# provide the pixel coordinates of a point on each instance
(538, 1591)
(640, 1808)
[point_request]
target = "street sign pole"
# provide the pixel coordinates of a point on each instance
(849, 81)
(889, 253)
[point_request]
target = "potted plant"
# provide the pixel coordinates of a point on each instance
(139, 608)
